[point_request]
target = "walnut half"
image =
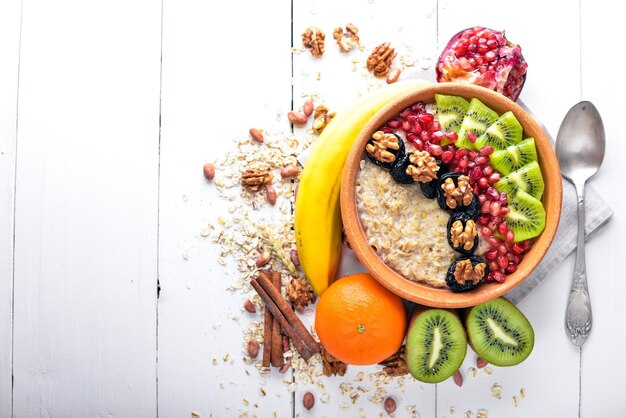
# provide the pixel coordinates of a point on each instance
(346, 40)
(465, 272)
(313, 39)
(423, 167)
(457, 195)
(379, 61)
(463, 237)
(381, 144)
(254, 179)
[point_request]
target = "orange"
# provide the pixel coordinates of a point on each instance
(359, 321)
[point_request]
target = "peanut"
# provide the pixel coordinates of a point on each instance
(270, 194)
(480, 362)
(283, 369)
(249, 306)
(262, 259)
(290, 170)
(393, 75)
(458, 378)
(308, 400)
(297, 118)
(256, 135)
(209, 171)
(253, 348)
(390, 405)
(308, 107)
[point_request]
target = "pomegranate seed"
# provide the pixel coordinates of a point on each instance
(462, 152)
(484, 208)
(435, 150)
(471, 136)
(436, 137)
(504, 211)
(488, 170)
(499, 277)
(494, 178)
(426, 118)
(491, 254)
(446, 157)
(503, 228)
(517, 249)
(418, 144)
(395, 124)
(451, 136)
(511, 268)
(493, 241)
(483, 182)
(510, 236)
(502, 249)
(483, 218)
(492, 193)
(493, 266)
(463, 163)
(481, 160)
(494, 208)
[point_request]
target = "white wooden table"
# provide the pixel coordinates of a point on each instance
(108, 110)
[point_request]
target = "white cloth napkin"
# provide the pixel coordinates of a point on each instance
(597, 214)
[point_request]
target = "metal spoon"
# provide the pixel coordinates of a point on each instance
(580, 151)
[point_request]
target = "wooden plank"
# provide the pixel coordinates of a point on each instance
(549, 91)
(226, 69)
(9, 55)
(602, 370)
(339, 80)
(86, 209)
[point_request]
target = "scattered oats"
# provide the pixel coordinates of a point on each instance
(425, 63)
(471, 372)
(274, 414)
(214, 361)
(452, 410)
(291, 388)
(226, 357)
(296, 50)
(325, 398)
(361, 164)
(195, 415)
(488, 370)
(469, 414)
(205, 232)
(354, 397)
(362, 389)
(261, 391)
(361, 412)
(221, 385)
(412, 410)
(246, 402)
(481, 413)
(220, 260)
(496, 391)
(186, 254)
(344, 406)
(515, 401)
(185, 198)
(522, 392)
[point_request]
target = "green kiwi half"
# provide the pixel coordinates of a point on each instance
(504, 132)
(436, 345)
(514, 157)
(477, 119)
(527, 216)
(499, 332)
(528, 178)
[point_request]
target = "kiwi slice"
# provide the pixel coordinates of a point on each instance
(450, 111)
(499, 332)
(527, 217)
(514, 157)
(504, 132)
(436, 344)
(528, 178)
(476, 121)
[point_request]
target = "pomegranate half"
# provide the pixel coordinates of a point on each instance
(484, 57)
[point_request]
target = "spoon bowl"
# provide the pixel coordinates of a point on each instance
(580, 147)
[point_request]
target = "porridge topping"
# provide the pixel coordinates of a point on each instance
(459, 194)
(463, 237)
(300, 293)
(253, 179)
(423, 167)
(379, 61)
(380, 144)
(466, 272)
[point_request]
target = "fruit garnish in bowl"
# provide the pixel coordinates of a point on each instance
(469, 227)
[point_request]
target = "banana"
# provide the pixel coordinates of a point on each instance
(317, 211)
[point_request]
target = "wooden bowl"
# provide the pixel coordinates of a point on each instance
(420, 292)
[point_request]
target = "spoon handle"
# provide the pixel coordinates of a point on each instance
(578, 313)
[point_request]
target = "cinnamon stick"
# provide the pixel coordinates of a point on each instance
(303, 341)
(267, 336)
(277, 338)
